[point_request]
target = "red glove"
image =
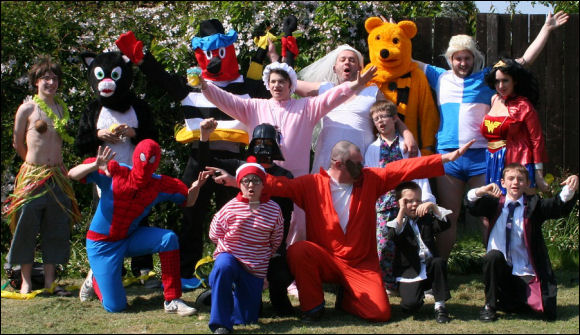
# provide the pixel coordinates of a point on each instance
(130, 47)
(289, 43)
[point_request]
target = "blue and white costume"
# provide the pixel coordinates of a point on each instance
(463, 103)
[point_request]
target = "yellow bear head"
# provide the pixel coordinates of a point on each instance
(390, 45)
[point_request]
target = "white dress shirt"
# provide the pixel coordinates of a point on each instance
(519, 253)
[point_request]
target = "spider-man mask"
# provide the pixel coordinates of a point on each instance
(146, 158)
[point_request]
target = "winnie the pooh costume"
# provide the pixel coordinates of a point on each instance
(401, 80)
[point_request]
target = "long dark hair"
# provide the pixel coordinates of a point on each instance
(525, 84)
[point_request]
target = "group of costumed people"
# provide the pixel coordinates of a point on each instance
(363, 216)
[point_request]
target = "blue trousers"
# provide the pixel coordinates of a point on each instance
(106, 259)
(236, 295)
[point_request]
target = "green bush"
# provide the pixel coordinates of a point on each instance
(63, 29)
(467, 255)
(562, 234)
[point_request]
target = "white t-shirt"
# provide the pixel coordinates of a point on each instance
(341, 201)
(350, 121)
(124, 148)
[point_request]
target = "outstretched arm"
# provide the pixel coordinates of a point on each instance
(552, 22)
(104, 155)
(155, 72)
(221, 176)
(451, 156)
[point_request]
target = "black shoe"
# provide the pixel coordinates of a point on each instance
(441, 315)
(222, 330)
(487, 314)
(285, 311)
(204, 298)
(339, 298)
(313, 315)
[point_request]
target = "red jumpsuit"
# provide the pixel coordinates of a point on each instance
(349, 259)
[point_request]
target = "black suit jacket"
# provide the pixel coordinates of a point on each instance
(536, 211)
(407, 262)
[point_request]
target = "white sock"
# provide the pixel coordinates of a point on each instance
(439, 304)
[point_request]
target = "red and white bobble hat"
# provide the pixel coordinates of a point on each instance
(251, 167)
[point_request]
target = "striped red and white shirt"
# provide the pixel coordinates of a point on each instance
(251, 237)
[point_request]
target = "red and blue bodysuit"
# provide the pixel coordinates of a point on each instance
(128, 194)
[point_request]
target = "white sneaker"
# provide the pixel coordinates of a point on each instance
(179, 307)
(87, 291)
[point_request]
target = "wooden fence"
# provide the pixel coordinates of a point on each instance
(556, 69)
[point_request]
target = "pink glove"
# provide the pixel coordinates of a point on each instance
(130, 47)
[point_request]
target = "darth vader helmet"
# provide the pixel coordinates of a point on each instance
(265, 144)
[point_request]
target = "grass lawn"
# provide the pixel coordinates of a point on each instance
(145, 315)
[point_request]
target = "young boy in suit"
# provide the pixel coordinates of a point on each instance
(517, 270)
(417, 266)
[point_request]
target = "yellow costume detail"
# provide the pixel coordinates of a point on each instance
(30, 185)
(183, 135)
(491, 125)
(401, 80)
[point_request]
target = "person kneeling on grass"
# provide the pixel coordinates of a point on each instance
(247, 232)
(417, 266)
(127, 195)
(517, 271)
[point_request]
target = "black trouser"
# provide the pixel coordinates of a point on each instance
(195, 222)
(412, 295)
(503, 290)
(279, 278)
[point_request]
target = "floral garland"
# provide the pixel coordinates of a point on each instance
(59, 123)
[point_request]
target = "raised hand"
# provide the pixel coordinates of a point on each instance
(572, 183)
(193, 191)
(489, 189)
(362, 79)
(272, 53)
(207, 127)
(557, 20)
(202, 177)
(104, 155)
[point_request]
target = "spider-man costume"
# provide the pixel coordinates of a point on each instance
(127, 197)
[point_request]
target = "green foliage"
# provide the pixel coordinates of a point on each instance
(467, 255)
(561, 235)
(566, 6)
(64, 29)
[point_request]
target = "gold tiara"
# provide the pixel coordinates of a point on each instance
(500, 64)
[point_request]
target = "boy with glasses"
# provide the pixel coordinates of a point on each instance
(247, 232)
(388, 148)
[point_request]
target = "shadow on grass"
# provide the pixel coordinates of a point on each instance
(141, 299)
